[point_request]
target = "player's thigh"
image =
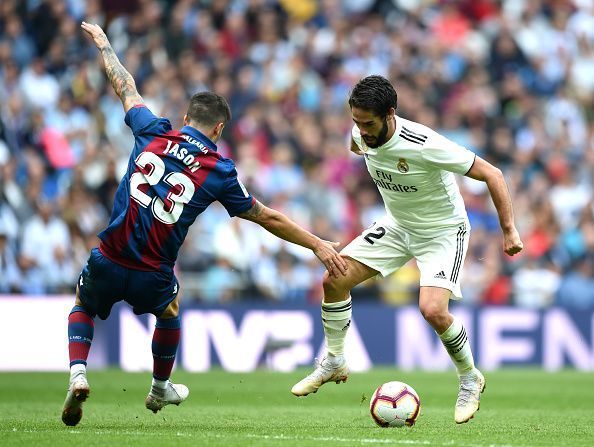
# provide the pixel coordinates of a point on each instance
(151, 292)
(172, 309)
(356, 273)
(381, 247)
(440, 259)
(100, 284)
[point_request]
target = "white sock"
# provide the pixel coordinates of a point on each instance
(161, 384)
(456, 343)
(336, 318)
(77, 369)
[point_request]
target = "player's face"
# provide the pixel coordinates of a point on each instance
(373, 128)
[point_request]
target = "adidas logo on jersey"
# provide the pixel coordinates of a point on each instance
(440, 275)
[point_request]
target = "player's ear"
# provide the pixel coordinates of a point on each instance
(186, 121)
(218, 130)
(391, 113)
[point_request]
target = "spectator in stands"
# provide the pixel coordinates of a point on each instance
(10, 274)
(577, 287)
(45, 255)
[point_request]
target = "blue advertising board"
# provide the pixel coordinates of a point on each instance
(243, 337)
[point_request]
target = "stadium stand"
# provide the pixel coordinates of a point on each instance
(512, 80)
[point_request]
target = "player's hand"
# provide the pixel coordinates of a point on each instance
(331, 259)
(512, 244)
(96, 33)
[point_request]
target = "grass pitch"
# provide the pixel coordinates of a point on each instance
(519, 408)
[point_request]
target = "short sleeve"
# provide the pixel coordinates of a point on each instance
(141, 120)
(234, 196)
(447, 155)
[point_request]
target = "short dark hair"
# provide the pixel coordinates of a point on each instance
(375, 94)
(208, 108)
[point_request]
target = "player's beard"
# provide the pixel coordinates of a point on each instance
(381, 137)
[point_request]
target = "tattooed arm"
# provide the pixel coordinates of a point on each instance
(283, 227)
(121, 81)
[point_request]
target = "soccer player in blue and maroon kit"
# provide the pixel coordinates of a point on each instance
(172, 177)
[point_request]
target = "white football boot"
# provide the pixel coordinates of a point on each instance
(173, 394)
(78, 391)
(325, 371)
(469, 395)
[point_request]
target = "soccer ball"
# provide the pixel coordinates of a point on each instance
(395, 404)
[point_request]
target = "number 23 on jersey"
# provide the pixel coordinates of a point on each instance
(167, 211)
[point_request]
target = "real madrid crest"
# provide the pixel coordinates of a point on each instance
(402, 166)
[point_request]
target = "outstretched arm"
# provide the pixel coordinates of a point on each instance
(121, 81)
(493, 177)
(281, 226)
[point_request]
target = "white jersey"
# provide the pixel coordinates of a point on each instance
(414, 174)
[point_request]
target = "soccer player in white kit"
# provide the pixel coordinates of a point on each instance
(413, 168)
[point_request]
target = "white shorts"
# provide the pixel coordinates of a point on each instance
(385, 247)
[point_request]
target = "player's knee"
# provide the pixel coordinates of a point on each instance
(433, 313)
(333, 285)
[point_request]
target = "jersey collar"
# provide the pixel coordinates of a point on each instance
(398, 127)
(395, 135)
(195, 133)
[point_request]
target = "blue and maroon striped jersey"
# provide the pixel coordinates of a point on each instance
(172, 177)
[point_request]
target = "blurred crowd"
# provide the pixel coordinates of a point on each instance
(512, 80)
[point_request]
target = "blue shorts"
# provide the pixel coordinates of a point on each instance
(102, 283)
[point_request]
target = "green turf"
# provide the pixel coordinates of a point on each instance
(519, 408)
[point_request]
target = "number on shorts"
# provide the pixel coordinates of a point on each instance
(170, 213)
(378, 234)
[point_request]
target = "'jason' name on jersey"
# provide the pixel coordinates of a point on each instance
(182, 154)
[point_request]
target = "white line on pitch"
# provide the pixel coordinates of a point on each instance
(370, 440)
(274, 437)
